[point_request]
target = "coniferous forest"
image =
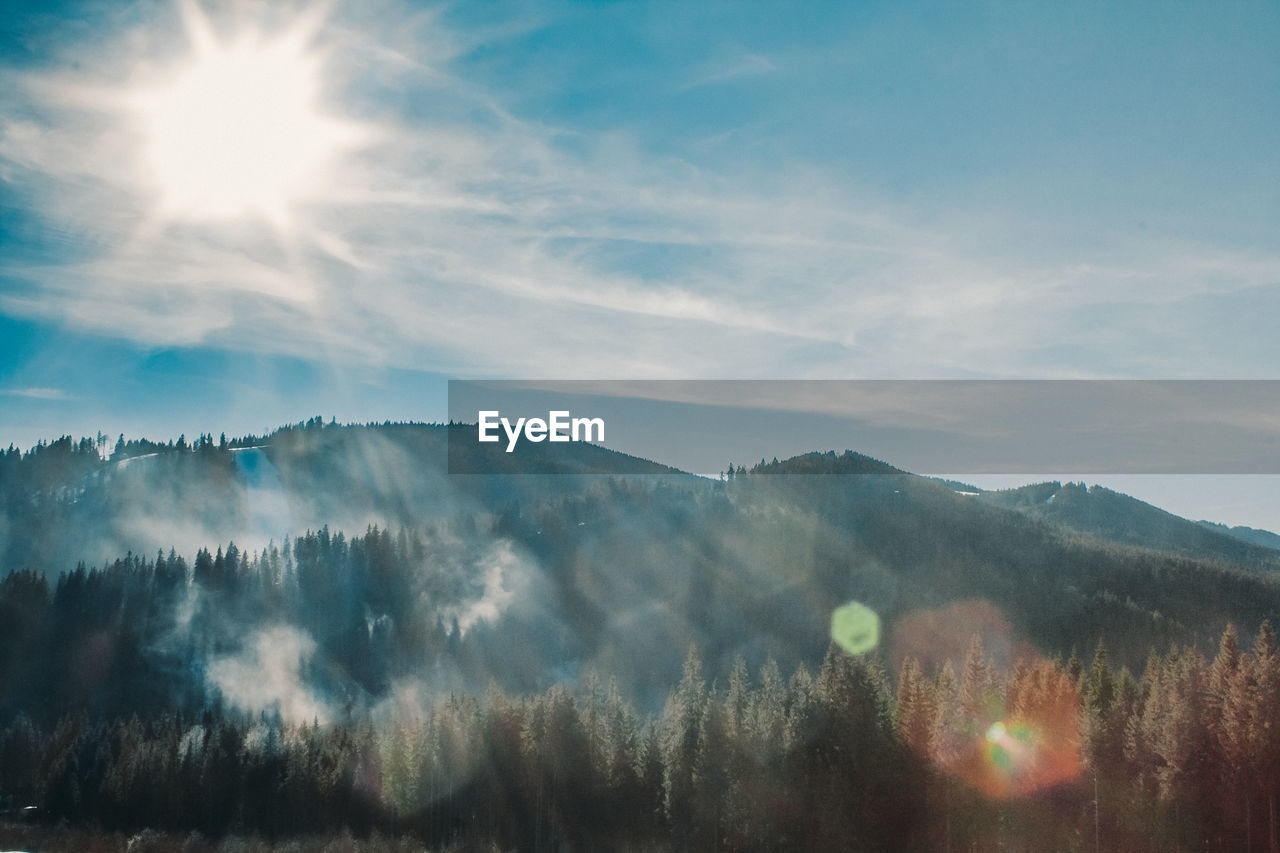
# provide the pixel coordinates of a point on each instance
(581, 662)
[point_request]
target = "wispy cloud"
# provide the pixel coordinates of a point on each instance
(481, 243)
(735, 68)
(36, 393)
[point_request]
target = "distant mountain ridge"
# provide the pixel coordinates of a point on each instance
(1252, 535)
(1115, 517)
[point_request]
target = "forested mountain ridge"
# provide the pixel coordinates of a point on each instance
(355, 644)
(397, 568)
(67, 500)
(1247, 534)
(1109, 515)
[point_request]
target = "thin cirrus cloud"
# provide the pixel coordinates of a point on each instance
(465, 234)
(36, 393)
(736, 68)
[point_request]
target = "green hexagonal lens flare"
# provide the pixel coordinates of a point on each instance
(855, 628)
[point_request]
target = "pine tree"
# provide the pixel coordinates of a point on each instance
(1264, 729)
(915, 708)
(979, 690)
(682, 720)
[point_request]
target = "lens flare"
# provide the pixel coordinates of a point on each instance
(1008, 724)
(855, 628)
(1034, 748)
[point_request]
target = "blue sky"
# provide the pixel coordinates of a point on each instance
(635, 190)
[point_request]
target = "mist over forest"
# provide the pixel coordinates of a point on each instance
(329, 586)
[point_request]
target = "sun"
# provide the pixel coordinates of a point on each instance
(238, 130)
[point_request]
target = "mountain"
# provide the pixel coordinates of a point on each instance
(64, 502)
(1114, 517)
(336, 635)
(1252, 535)
(352, 552)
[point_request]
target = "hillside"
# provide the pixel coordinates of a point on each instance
(353, 546)
(1253, 535)
(1105, 514)
(337, 635)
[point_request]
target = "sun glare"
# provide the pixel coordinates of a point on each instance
(237, 130)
